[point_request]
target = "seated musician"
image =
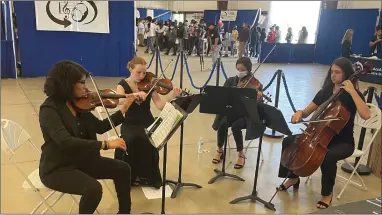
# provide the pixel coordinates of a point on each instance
(342, 145)
(243, 67)
(70, 160)
(142, 156)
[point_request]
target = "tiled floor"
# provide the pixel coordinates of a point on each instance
(303, 82)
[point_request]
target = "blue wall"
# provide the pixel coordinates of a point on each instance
(100, 54)
(8, 69)
(142, 12)
(332, 27)
(165, 17)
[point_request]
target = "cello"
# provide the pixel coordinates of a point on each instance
(309, 149)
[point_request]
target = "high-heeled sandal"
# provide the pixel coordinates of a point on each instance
(239, 166)
(295, 186)
(321, 203)
(216, 161)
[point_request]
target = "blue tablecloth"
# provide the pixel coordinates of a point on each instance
(7, 60)
(375, 76)
(288, 53)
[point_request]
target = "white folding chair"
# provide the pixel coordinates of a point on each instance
(372, 125)
(15, 137)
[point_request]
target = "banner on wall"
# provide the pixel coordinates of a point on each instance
(77, 16)
(228, 15)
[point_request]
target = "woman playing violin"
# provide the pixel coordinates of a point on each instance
(70, 160)
(142, 156)
(243, 67)
(342, 145)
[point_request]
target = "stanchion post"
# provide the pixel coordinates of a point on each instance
(362, 169)
(273, 133)
(217, 67)
(157, 53)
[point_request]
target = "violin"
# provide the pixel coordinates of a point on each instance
(252, 82)
(90, 100)
(150, 83)
(308, 151)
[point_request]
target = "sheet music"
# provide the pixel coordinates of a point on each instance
(167, 120)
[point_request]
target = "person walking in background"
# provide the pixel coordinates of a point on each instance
(215, 42)
(234, 41)
(243, 39)
(303, 36)
(289, 36)
(141, 32)
(346, 44)
(172, 36)
(278, 34)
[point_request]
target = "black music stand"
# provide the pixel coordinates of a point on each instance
(272, 118)
(164, 146)
(225, 101)
(188, 104)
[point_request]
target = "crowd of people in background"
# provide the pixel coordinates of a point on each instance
(194, 37)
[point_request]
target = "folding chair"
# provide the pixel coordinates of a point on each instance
(373, 125)
(15, 137)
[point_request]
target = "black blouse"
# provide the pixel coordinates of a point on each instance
(70, 139)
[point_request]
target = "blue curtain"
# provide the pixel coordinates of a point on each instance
(211, 16)
(8, 69)
(164, 17)
(332, 27)
(100, 54)
(142, 12)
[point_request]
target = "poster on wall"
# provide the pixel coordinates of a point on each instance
(77, 16)
(228, 15)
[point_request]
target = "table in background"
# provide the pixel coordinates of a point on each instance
(374, 76)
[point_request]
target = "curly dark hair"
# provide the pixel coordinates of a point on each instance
(62, 78)
(246, 61)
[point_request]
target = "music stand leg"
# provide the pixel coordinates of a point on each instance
(179, 183)
(164, 179)
(254, 197)
(222, 173)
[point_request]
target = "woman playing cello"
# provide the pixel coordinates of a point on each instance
(341, 145)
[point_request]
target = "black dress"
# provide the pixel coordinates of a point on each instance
(142, 157)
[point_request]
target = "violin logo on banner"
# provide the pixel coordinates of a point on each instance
(227, 15)
(78, 16)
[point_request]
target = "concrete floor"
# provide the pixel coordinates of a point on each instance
(20, 102)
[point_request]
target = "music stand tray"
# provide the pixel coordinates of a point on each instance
(227, 102)
(271, 117)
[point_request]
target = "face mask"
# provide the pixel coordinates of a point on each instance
(241, 74)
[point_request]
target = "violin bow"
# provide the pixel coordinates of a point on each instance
(103, 105)
(158, 79)
(253, 73)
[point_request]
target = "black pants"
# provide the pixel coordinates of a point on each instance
(236, 126)
(336, 151)
(83, 181)
(171, 45)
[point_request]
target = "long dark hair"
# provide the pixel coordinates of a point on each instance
(346, 67)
